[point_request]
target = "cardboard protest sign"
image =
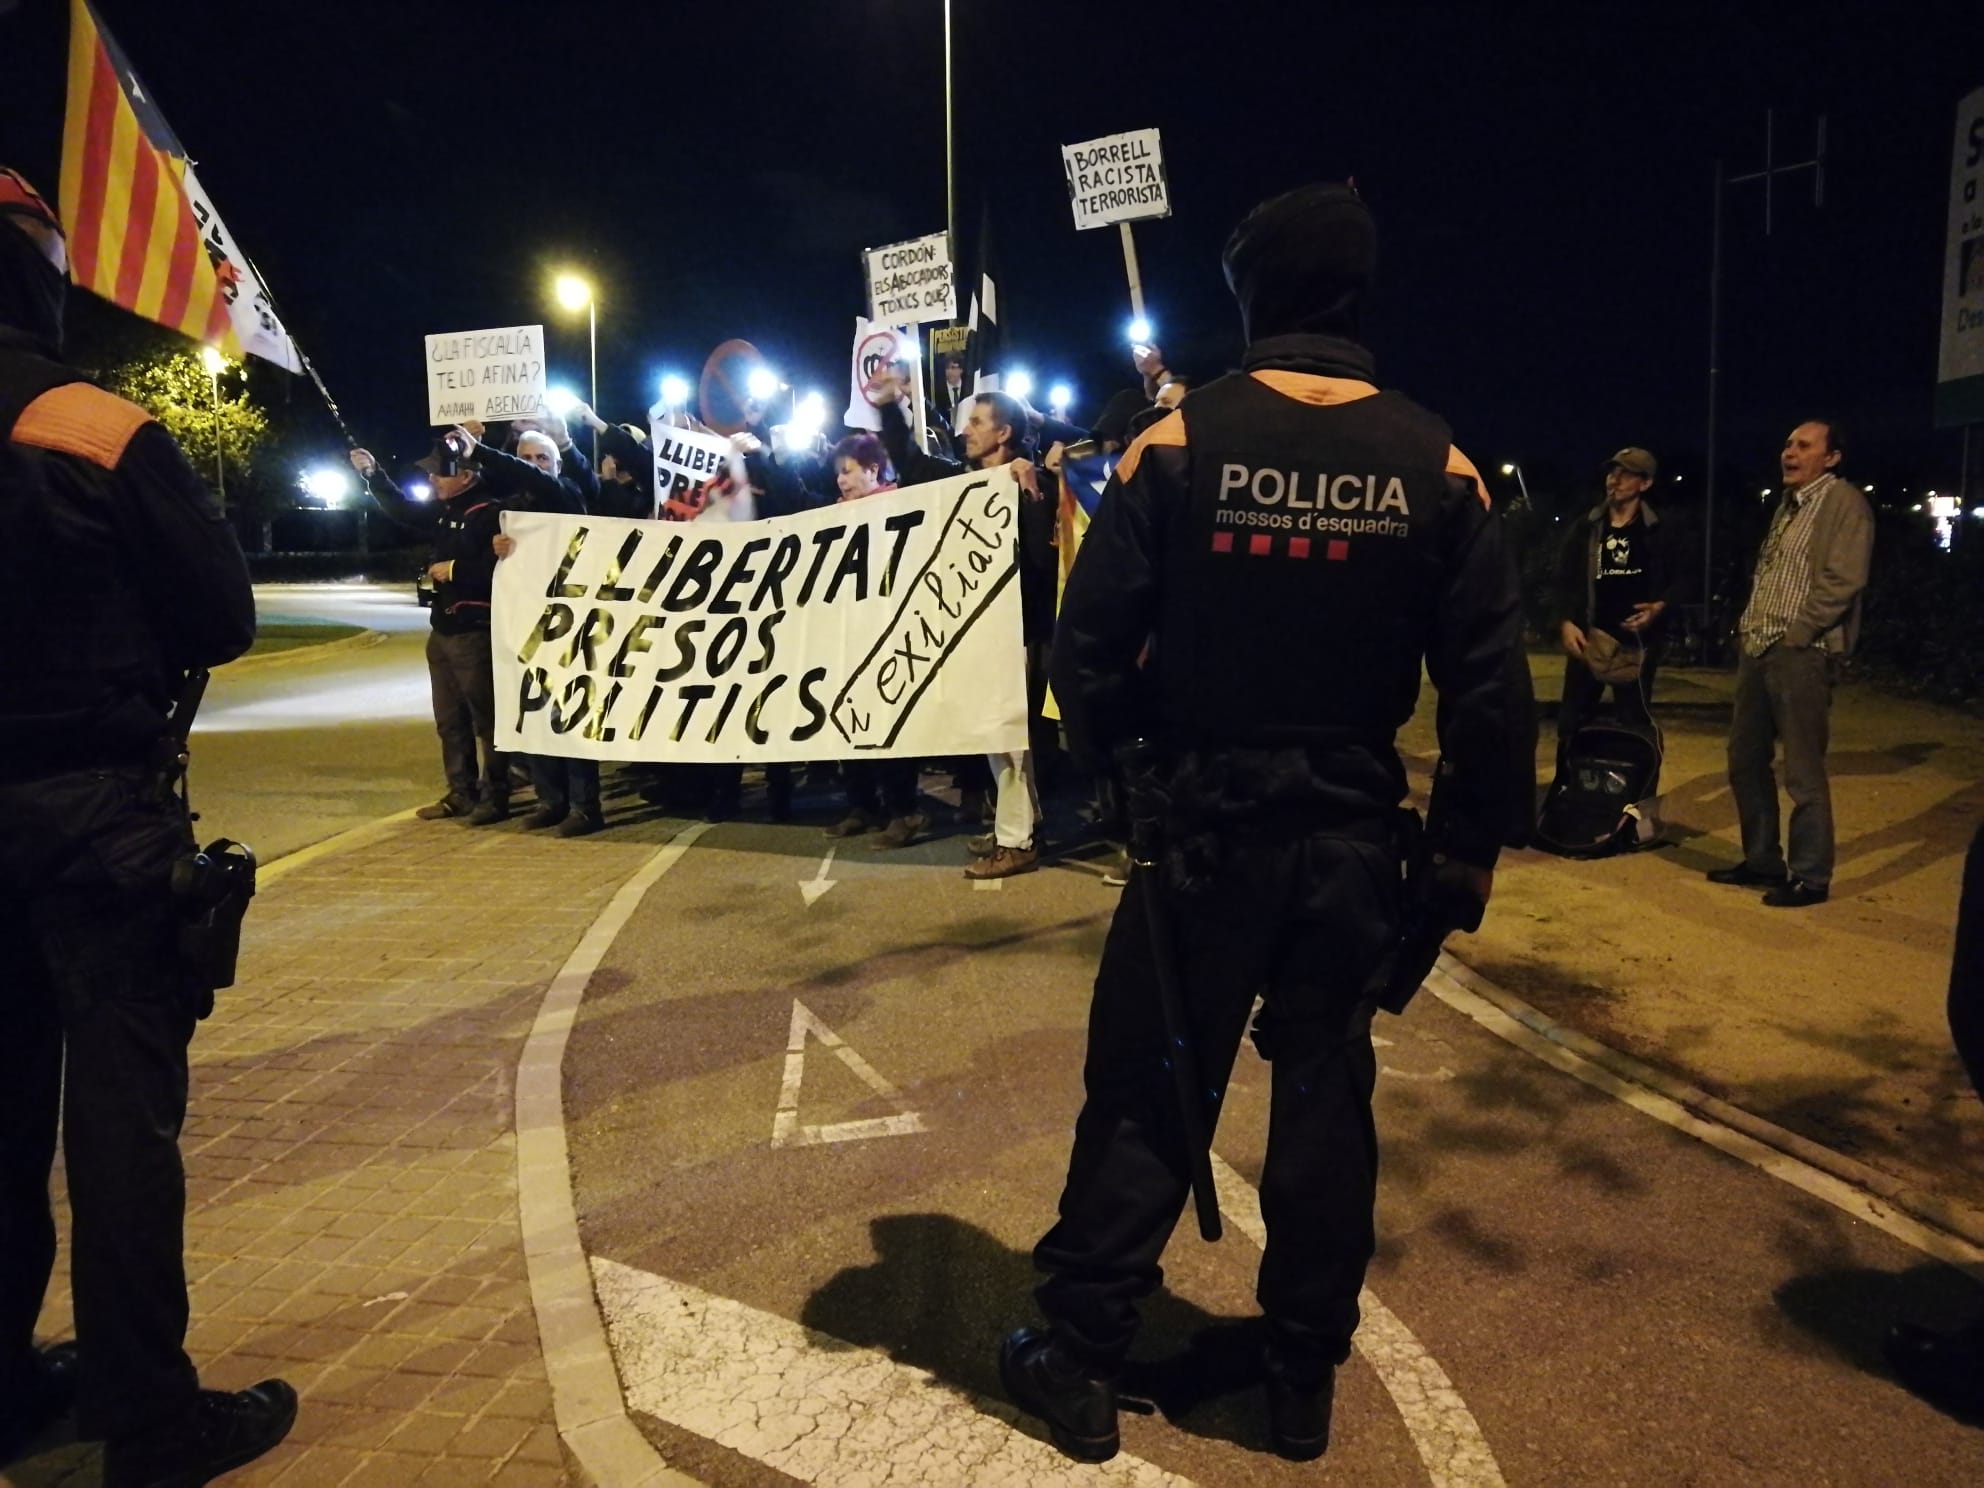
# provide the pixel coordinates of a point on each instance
(875, 348)
(1119, 178)
(685, 461)
(909, 283)
(486, 375)
(887, 627)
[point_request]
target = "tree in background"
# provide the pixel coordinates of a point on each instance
(176, 389)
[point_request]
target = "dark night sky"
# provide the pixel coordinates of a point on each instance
(1541, 176)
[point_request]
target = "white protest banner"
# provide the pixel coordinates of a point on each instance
(1960, 357)
(887, 627)
(909, 283)
(486, 375)
(685, 460)
(875, 348)
(1119, 178)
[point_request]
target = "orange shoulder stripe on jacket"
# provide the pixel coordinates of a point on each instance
(1169, 430)
(1459, 464)
(78, 419)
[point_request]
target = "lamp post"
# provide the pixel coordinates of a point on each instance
(215, 364)
(572, 292)
(1510, 467)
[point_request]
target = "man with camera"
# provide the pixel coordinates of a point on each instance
(463, 520)
(101, 998)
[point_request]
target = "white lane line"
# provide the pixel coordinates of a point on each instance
(816, 1408)
(993, 885)
(585, 1388)
(786, 1130)
(1444, 983)
(1442, 1428)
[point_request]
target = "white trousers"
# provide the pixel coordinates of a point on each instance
(1018, 808)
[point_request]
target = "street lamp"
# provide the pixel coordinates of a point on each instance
(216, 364)
(1510, 467)
(575, 293)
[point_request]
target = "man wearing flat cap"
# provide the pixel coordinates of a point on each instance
(1290, 544)
(1613, 581)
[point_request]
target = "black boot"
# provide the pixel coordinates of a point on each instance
(45, 1394)
(1299, 1411)
(1043, 1381)
(219, 1433)
(1945, 1369)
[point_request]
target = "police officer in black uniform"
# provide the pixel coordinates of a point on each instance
(1291, 543)
(118, 574)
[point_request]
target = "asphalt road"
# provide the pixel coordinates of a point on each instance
(1608, 1300)
(819, 1112)
(293, 749)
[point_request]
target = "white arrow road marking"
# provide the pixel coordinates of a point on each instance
(786, 1130)
(815, 1408)
(1438, 1420)
(1380, 1042)
(810, 889)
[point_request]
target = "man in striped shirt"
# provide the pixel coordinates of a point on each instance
(1801, 621)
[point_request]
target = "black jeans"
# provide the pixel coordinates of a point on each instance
(1302, 921)
(565, 783)
(463, 681)
(98, 1015)
(884, 787)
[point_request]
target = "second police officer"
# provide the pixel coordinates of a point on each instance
(1291, 543)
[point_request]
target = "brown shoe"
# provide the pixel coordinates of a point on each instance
(901, 831)
(449, 805)
(853, 825)
(1004, 863)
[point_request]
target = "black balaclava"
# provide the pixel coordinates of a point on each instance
(1300, 263)
(33, 290)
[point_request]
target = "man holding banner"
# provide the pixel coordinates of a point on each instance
(1289, 545)
(995, 435)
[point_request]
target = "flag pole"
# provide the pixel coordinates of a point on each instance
(309, 367)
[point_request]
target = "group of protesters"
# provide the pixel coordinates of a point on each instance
(540, 467)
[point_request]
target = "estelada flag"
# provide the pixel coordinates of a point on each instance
(1082, 483)
(141, 231)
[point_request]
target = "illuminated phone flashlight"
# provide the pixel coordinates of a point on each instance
(1019, 383)
(1059, 397)
(558, 401)
(762, 384)
(674, 390)
(809, 417)
(419, 491)
(1140, 331)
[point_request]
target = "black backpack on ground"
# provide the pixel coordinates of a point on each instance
(1594, 807)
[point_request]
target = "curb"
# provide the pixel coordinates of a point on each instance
(1958, 1220)
(364, 640)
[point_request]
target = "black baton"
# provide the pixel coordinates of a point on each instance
(1144, 797)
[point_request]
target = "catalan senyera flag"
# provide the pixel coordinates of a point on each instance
(141, 231)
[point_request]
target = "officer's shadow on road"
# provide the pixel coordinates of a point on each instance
(941, 1293)
(1849, 1309)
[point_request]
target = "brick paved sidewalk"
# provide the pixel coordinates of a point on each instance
(351, 1158)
